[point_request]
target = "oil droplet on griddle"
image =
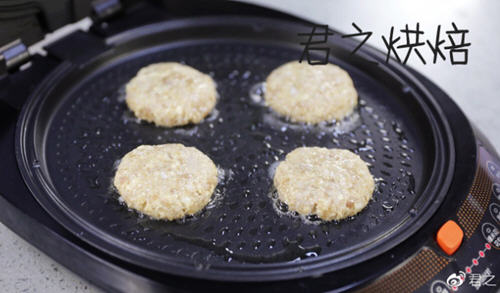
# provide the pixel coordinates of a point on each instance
(36, 164)
(257, 92)
(387, 206)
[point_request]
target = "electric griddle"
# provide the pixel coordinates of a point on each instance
(65, 125)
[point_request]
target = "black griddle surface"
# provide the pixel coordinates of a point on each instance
(71, 137)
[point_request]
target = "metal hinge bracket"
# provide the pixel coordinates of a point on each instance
(12, 56)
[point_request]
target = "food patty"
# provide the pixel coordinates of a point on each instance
(330, 183)
(310, 94)
(166, 181)
(171, 94)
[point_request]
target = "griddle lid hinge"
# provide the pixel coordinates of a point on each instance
(12, 56)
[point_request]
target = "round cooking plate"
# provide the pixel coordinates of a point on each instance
(76, 127)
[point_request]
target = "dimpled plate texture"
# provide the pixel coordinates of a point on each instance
(92, 129)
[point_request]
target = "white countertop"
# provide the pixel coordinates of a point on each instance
(475, 87)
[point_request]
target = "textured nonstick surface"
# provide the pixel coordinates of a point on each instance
(86, 132)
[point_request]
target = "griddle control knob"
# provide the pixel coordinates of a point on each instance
(449, 237)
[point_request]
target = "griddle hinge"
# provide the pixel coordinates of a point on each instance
(12, 56)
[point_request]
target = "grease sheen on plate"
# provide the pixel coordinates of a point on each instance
(89, 132)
